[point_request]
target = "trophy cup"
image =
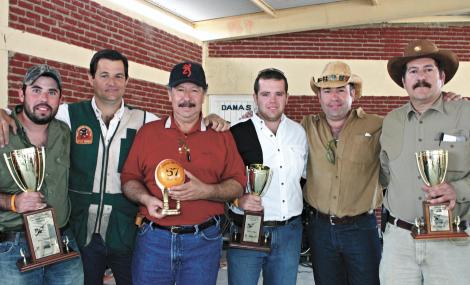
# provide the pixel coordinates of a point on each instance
(438, 221)
(169, 173)
(252, 237)
(27, 168)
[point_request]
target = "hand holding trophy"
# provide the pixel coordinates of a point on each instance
(252, 237)
(27, 168)
(438, 221)
(169, 173)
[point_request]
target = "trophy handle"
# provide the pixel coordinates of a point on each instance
(419, 162)
(268, 181)
(13, 172)
(41, 153)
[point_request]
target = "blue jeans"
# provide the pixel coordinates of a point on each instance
(96, 256)
(60, 273)
(161, 257)
(347, 253)
(279, 266)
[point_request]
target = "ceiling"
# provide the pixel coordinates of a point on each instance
(211, 20)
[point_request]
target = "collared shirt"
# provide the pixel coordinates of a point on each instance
(406, 132)
(214, 159)
(56, 175)
(106, 131)
(286, 154)
(350, 186)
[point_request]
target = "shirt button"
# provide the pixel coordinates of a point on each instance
(334, 197)
(282, 183)
(280, 166)
(420, 140)
(283, 201)
(336, 176)
(419, 177)
(57, 159)
(420, 198)
(420, 122)
(283, 217)
(278, 150)
(271, 135)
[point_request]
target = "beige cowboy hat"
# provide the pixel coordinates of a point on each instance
(447, 60)
(337, 74)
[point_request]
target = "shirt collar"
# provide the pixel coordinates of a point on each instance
(438, 106)
(119, 113)
(170, 125)
(258, 121)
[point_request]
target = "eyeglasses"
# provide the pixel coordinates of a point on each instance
(183, 147)
(330, 151)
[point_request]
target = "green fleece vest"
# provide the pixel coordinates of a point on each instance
(98, 205)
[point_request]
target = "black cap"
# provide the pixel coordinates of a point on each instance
(188, 72)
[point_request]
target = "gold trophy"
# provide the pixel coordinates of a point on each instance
(169, 173)
(27, 168)
(438, 222)
(252, 237)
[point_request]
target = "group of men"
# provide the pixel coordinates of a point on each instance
(342, 157)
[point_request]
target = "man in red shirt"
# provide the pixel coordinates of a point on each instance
(184, 248)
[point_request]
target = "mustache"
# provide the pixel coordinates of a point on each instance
(421, 83)
(187, 104)
(43, 105)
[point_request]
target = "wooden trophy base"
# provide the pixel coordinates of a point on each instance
(45, 261)
(251, 236)
(439, 235)
(249, 246)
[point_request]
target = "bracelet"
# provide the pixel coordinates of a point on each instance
(12, 203)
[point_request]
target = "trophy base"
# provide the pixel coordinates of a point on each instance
(238, 245)
(170, 212)
(45, 261)
(439, 235)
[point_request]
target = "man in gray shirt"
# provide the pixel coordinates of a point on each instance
(421, 124)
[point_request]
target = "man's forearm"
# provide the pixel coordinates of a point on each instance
(225, 191)
(135, 191)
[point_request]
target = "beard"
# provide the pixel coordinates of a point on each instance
(40, 120)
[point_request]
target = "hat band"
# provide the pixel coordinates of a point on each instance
(334, 77)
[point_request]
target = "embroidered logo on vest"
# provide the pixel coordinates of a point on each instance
(84, 135)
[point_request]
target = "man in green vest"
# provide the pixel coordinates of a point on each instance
(102, 131)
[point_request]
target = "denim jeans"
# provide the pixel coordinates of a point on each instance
(161, 257)
(279, 266)
(61, 273)
(96, 256)
(416, 262)
(346, 253)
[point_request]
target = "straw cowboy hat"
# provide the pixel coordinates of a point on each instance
(446, 59)
(337, 74)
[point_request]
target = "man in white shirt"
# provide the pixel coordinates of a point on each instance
(271, 139)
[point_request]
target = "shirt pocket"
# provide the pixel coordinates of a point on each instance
(363, 148)
(296, 156)
(459, 159)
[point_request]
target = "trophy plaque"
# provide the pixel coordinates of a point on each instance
(438, 221)
(169, 173)
(27, 168)
(251, 236)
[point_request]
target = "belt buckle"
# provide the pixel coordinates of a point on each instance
(331, 220)
(174, 229)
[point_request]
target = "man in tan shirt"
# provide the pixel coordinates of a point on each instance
(342, 182)
(426, 122)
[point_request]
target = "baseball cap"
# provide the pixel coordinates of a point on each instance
(188, 72)
(39, 70)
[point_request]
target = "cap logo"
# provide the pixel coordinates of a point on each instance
(187, 69)
(83, 135)
(334, 77)
(417, 48)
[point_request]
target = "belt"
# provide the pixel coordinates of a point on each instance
(183, 229)
(11, 235)
(238, 220)
(333, 220)
(399, 223)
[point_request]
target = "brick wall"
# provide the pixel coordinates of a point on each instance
(373, 43)
(87, 24)
(142, 94)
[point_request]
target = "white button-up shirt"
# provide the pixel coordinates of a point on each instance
(286, 154)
